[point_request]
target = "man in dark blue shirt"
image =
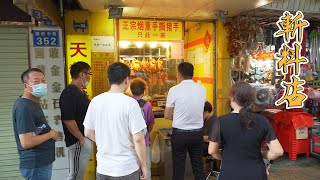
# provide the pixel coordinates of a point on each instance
(34, 137)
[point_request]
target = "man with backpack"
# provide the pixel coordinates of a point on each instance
(138, 88)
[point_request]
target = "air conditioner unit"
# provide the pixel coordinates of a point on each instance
(263, 94)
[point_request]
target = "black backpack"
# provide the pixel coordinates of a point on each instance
(141, 103)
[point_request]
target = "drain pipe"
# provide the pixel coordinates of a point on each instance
(61, 9)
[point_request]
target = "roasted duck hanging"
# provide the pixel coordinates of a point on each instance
(162, 77)
(144, 65)
(159, 64)
(127, 62)
(153, 65)
(135, 65)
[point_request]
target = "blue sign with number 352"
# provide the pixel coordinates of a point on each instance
(45, 38)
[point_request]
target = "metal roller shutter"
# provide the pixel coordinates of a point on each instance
(13, 61)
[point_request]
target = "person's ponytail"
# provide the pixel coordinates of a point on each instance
(243, 94)
(247, 118)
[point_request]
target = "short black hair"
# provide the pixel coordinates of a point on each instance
(138, 86)
(25, 74)
(117, 73)
(186, 70)
(77, 68)
(207, 107)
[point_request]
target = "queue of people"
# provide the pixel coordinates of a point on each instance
(120, 126)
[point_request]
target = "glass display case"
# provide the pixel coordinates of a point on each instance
(153, 62)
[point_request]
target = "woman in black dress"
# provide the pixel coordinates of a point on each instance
(240, 134)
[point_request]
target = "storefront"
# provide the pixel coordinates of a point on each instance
(265, 62)
(151, 48)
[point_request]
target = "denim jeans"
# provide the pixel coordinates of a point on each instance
(41, 173)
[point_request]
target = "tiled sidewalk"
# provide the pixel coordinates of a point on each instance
(285, 169)
(301, 169)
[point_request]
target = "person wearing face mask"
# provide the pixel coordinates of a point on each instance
(34, 138)
(73, 105)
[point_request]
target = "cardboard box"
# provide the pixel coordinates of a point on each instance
(302, 133)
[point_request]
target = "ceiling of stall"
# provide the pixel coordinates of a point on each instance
(269, 14)
(175, 9)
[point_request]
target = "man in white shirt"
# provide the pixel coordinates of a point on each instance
(115, 122)
(184, 106)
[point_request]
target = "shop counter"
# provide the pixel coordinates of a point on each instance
(158, 114)
(166, 168)
(159, 123)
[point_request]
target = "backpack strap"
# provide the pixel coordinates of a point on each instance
(141, 102)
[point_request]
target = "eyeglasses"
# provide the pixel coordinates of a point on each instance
(89, 73)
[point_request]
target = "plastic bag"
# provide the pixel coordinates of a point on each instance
(155, 151)
(313, 93)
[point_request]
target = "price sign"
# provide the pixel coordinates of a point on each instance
(45, 38)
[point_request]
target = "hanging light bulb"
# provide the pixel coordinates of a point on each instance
(165, 44)
(124, 44)
(139, 44)
(153, 44)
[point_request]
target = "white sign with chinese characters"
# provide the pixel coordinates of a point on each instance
(199, 52)
(102, 44)
(191, 57)
(177, 50)
(50, 61)
(207, 70)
